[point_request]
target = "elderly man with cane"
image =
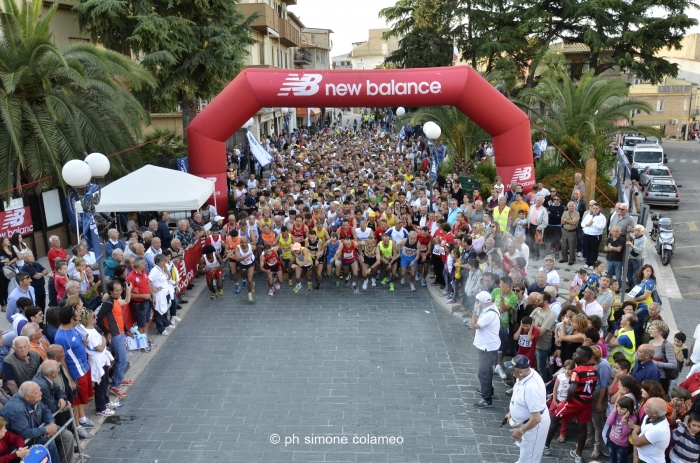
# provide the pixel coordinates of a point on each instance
(528, 409)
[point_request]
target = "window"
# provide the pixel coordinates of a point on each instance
(659, 105)
(385, 48)
(633, 113)
(261, 53)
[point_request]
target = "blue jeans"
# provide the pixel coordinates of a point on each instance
(615, 269)
(161, 320)
(618, 454)
(119, 351)
(633, 267)
(485, 373)
(542, 357)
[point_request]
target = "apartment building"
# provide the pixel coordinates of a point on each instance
(316, 49)
(342, 61)
(371, 53)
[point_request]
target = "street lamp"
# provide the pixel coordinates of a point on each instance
(78, 175)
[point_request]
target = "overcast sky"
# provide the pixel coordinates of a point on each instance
(348, 19)
(351, 19)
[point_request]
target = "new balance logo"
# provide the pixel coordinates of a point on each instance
(13, 218)
(301, 85)
(521, 174)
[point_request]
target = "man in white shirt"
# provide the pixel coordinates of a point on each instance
(653, 436)
(152, 252)
(552, 275)
(589, 305)
(593, 226)
(486, 321)
(528, 409)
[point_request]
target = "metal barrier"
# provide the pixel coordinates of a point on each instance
(81, 457)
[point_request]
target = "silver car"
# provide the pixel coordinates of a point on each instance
(662, 192)
(654, 172)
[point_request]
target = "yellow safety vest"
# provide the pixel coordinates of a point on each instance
(501, 218)
(629, 353)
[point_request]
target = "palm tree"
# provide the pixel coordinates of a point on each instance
(59, 104)
(460, 134)
(579, 115)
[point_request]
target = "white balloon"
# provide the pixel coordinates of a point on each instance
(432, 130)
(400, 111)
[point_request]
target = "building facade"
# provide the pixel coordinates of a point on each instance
(670, 104)
(342, 61)
(372, 53)
(316, 49)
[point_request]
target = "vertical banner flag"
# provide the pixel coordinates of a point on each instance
(455, 51)
(260, 153)
(308, 117)
(391, 115)
(90, 227)
(434, 165)
(183, 165)
(71, 199)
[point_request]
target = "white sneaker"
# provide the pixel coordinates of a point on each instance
(364, 285)
(500, 372)
(374, 282)
(272, 291)
(403, 280)
(165, 333)
(177, 319)
(413, 288)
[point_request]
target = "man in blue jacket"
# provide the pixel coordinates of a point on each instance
(28, 417)
(164, 231)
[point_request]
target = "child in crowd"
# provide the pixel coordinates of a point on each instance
(685, 442)
(483, 260)
(560, 392)
(521, 223)
(681, 401)
(621, 422)
(680, 349)
(579, 280)
(12, 446)
(450, 270)
(526, 336)
(568, 330)
(498, 185)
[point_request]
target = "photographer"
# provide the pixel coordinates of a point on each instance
(528, 409)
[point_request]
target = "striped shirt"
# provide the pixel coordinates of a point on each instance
(585, 377)
(686, 448)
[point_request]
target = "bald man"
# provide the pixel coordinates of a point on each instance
(654, 434)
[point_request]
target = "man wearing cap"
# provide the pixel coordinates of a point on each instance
(528, 407)
(486, 321)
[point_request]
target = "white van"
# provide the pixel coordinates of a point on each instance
(629, 142)
(646, 155)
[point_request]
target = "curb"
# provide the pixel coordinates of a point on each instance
(139, 361)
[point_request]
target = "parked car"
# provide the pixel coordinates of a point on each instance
(662, 192)
(654, 172)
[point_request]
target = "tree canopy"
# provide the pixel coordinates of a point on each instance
(59, 104)
(192, 48)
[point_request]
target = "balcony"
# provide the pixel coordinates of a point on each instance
(302, 57)
(290, 35)
(267, 17)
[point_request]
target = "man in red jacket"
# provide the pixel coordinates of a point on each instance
(56, 252)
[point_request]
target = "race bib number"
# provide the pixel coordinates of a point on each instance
(636, 291)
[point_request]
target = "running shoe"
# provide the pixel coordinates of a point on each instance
(177, 320)
(250, 297)
(118, 392)
(237, 289)
(501, 372)
(318, 286)
(337, 283)
(272, 291)
(106, 412)
(84, 433)
(129, 382)
(230, 276)
(213, 295)
(88, 424)
(355, 288)
(451, 301)
(413, 288)
(364, 285)
(386, 280)
(221, 292)
(309, 285)
(347, 278)
(115, 405)
(374, 282)
(297, 288)
(291, 282)
(403, 280)
(277, 285)
(245, 285)
(391, 286)
(347, 281)
(423, 282)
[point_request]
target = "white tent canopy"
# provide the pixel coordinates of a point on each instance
(154, 188)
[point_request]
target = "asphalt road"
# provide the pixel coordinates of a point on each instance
(684, 162)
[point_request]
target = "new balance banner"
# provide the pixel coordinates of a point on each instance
(16, 221)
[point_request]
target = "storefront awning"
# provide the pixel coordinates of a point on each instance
(301, 112)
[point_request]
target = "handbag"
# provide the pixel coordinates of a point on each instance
(10, 271)
(671, 373)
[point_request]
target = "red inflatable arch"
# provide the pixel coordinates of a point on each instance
(460, 86)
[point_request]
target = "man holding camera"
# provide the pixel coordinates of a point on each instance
(486, 322)
(528, 409)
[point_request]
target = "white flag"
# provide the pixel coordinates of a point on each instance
(258, 150)
(308, 117)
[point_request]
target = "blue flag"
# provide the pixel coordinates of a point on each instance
(71, 198)
(89, 226)
(435, 165)
(391, 115)
(183, 164)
